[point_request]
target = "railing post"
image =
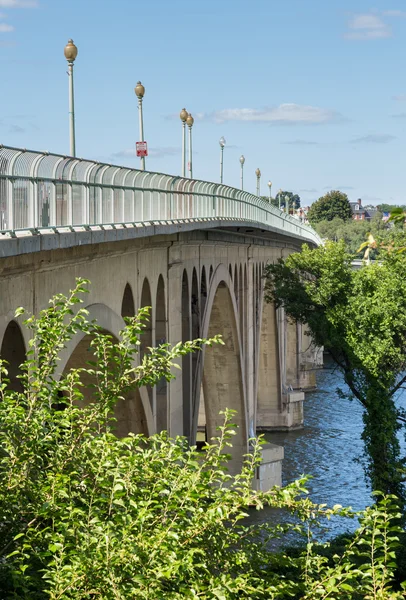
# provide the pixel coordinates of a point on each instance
(10, 206)
(70, 204)
(33, 203)
(86, 204)
(52, 204)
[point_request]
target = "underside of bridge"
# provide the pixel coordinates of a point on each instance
(197, 283)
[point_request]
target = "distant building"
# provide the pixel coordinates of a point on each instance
(360, 213)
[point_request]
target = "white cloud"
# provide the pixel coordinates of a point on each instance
(5, 28)
(374, 138)
(18, 3)
(367, 27)
(301, 143)
(282, 114)
(394, 13)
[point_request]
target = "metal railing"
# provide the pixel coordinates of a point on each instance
(44, 190)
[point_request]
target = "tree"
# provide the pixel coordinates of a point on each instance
(333, 204)
(293, 200)
(353, 232)
(360, 318)
(389, 207)
(84, 514)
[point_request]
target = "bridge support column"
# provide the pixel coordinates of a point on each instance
(175, 393)
(279, 406)
(311, 359)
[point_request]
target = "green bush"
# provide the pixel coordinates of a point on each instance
(85, 515)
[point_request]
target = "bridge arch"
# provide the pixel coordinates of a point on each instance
(127, 304)
(220, 369)
(13, 351)
(203, 292)
(135, 408)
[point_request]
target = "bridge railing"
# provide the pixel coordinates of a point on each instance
(44, 190)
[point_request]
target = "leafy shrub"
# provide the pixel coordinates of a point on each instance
(86, 515)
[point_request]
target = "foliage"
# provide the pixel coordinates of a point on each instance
(331, 205)
(293, 200)
(85, 515)
(353, 232)
(360, 318)
(389, 207)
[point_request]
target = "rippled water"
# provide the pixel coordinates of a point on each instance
(327, 448)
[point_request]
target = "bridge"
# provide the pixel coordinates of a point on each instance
(195, 252)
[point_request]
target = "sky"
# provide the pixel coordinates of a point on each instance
(312, 92)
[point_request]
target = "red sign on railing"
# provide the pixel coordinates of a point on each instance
(142, 149)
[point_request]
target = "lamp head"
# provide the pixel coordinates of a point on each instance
(139, 90)
(270, 183)
(70, 51)
(190, 120)
(258, 173)
(242, 159)
(183, 115)
(222, 141)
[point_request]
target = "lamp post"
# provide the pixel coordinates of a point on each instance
(183, 116)
(279, 197)
(242, 161)
(139, 92)
(270, 191)
(189, 121)
(287, 204)
(222, 142)
(71, 53)
(258, 174)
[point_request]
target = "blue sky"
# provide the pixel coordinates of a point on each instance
(311, 92)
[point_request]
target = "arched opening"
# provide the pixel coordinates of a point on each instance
(211, 272)
(129, 412)
(222, 375)
(195, 333)
(146, 336)
(187, 359)
(13, 351)
(160, 338)
(203, 292)
(236, 284)
(230, 270)
(241, 306)
(127, 305)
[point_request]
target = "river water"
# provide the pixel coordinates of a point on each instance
(328, 448)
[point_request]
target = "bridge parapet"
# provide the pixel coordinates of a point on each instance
(45, 191)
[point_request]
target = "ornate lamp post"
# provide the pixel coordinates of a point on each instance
(183, 116)
(270, 191)
(258, 174)
(189, 121)
(139, 92)
(279, 197)
(242, 161)
(222, 142)
(71, 53)
(287, 204)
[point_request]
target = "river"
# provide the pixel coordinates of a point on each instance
(329, 448)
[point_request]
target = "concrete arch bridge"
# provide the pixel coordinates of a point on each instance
(195, 252)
